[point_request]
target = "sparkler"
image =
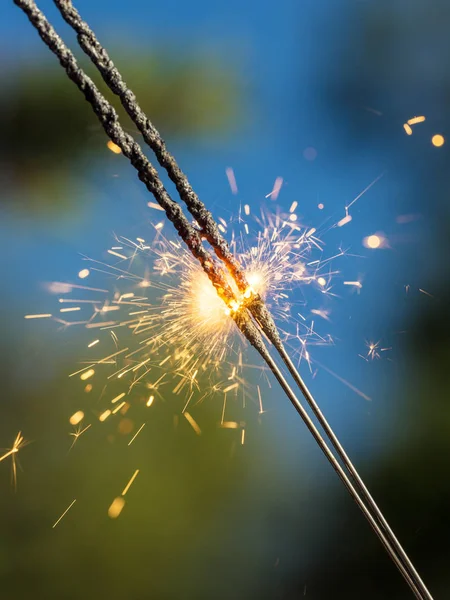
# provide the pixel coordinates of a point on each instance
(243, 303)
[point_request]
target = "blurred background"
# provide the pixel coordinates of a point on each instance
(317, 92)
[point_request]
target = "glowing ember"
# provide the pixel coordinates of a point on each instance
(438, 140)
(113, 147)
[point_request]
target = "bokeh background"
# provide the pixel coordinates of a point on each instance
(316, 92)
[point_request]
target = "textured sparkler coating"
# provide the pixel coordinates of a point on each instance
(130, 148)
(113, 78)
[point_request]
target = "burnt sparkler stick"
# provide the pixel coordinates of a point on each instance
(111, 75)
(109, 120)
(130, 148)
(97, 53)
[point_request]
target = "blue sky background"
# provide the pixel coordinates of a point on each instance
(282, 54)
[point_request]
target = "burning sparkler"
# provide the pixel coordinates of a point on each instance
(242, 300)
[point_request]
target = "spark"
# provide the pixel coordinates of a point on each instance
(41, 316)
(105, 414)
(229, 425)
(116, 507)
(77, 433)
(113, 147)
(93, 343)
(378, 113)
(117, 398)
(78, 301)
(231, 180)
(403, 219)
(425, 292)
(192, 423)
(118, 407)
(374, 241)
(345, 382)
(57, 287)
(438, 140)
(18, 444)
(136, 434)
(366, 189)
(260, 400)
(114, 253)
(87, 374)
(76, 417)
(273, 195)
(407, 129)
(231, 387)
(83, 273)
(357, 284)
(130, 483)
(416, 120)
(155, 205)
(344, 220)
(103, 325)
(372, 352)
(64, 514)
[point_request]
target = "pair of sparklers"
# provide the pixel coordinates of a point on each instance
(242, 303)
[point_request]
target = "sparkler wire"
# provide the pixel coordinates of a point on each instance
(99, 56)
(344, 478)
(148, 175)
(353, 471)
(252, 334)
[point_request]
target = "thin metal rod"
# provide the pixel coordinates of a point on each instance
(353, 471)
(341, 473)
